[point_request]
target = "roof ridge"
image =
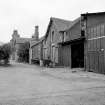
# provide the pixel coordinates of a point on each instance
(73, 23)
(60, 19)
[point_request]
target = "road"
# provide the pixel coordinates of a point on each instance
(24, 84)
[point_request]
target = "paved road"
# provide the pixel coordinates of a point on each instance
(23, 84)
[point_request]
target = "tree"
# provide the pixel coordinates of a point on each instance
(23, 52)
(5, 52)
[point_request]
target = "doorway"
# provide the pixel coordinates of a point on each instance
(77, 54)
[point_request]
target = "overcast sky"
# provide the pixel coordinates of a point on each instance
(23, 15)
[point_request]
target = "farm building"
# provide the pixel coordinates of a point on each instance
(37, 51)
(53, 37)
(84, 43)
(78, 43)
(72, 47)
(93, 28)
(36, 47)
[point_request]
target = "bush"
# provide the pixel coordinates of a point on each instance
(5, 52)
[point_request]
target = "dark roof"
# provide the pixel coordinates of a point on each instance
(73, 23)
(22, 40)
(33, 43)
(95, 13)
(60, 24)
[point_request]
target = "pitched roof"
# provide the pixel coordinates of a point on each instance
(73, 23)
(33, 43)
(22, 40)
(61, 24)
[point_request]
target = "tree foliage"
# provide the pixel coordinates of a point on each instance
(5, 52)
(23, 52)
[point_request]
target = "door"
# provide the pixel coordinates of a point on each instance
(77, 54)
(65, 58)
(95, 62)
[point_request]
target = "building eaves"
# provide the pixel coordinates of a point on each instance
(33, 43)
(73, 23)
(95, 13)
(60, 24)
(22, 40)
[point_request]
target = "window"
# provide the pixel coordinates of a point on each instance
(52, 36)
(65, 36)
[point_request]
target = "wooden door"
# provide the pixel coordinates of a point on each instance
(95, 62)
(65, 57)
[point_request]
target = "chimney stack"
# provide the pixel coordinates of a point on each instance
(36, 33)
(15, 34)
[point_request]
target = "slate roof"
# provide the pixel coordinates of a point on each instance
(33, 43)
(73, 23)
(22, 40)
(95, 13)
(61, 24)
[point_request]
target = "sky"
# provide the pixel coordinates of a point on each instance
(24, 15)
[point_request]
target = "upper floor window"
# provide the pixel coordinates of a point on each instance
(65, 36)
(52, 36)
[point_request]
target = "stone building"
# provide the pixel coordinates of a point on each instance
(34, 52)
(16, 41)
(52, 39)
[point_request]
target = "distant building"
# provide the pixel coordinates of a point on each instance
(34, 51)
(37, 51)
(16, 41)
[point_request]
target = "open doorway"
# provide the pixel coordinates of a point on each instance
(77, 54)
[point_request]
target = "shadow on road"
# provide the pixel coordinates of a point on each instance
(6, 65)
